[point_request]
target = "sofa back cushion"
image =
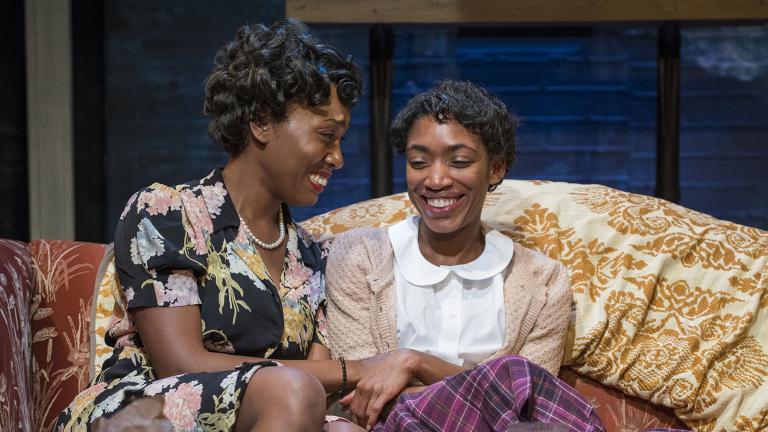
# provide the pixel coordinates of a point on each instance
(104, 313)
(15, 336)
(670, 304)
(64, 273)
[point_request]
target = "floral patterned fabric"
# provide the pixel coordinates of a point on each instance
(15, 336)
(671, 304)
(184, 246)
(63, 273)
(618, 411)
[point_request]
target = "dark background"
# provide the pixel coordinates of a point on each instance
(586, 94)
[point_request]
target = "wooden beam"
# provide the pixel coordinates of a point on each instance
(49, 119)
(522, 11)
(382, 48)
(668, 113)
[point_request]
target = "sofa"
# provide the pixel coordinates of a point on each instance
(45, 315)
(643, 271)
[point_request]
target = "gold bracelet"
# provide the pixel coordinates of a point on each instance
(343, 388)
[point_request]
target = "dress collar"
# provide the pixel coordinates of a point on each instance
(227, 213)
(418, 271)
(227, 216)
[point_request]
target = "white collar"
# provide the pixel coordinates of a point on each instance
(418, 271)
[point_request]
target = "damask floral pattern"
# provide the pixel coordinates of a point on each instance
(373, 213)
(669, 308)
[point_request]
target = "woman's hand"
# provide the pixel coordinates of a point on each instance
(384, 377)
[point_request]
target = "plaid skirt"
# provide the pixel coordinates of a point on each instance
(495, 396)
(506, 394)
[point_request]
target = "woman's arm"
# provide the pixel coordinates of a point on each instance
(429, 369)
(173, 338)
(392, 378)
(545, 343)
(349, 323)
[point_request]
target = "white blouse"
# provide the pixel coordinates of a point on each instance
(453, 312)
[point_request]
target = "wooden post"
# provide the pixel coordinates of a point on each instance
(382, 51)
(668, 113)
(49, 119)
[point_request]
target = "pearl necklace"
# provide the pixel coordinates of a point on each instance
(267, 246)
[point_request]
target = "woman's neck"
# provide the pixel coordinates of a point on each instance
(458, 247)
(252, 200)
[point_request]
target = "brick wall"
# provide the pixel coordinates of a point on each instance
(724, 116)
(158, 55)
(352, 183)
(586, 96)
(588, 105)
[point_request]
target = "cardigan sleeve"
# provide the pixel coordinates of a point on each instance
(349, 320)
(545, 343)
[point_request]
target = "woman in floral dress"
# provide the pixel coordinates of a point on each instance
(217, 281)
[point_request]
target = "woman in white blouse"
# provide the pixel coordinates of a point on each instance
(441, 291)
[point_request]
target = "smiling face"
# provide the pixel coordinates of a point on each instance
(299, 154)
(448, 173)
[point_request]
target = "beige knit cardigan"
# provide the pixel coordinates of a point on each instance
(362, 304)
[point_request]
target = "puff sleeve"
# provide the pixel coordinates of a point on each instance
(159, 262)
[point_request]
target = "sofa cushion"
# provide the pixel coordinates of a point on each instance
(15, 290)
(618, 411)
(64, 272)
(671, 304)
(103, 311)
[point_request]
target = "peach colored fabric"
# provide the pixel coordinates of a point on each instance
(360, 279)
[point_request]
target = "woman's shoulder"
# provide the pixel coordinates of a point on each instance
(174, 216)
(361, 238)
(537, 265)
(204, 197)
(157, 199)
(359, 246)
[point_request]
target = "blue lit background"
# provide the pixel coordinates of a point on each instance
(587, 97)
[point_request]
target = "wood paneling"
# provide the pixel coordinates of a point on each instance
(522, 11)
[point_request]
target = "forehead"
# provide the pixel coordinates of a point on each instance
(426, 131)
(334, 111)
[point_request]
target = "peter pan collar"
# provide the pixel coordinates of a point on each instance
(418, 271)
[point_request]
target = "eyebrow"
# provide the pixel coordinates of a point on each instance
(336, 121)
(451, 148)
(341, 122)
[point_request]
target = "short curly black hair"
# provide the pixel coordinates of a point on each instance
(472, 106)
(258, 75)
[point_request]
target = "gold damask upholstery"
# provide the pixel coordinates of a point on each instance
(104, 311)
(670, 304)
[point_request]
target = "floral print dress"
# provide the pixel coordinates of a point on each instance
(183, 245)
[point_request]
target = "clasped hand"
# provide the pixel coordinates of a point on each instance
(385, 376)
